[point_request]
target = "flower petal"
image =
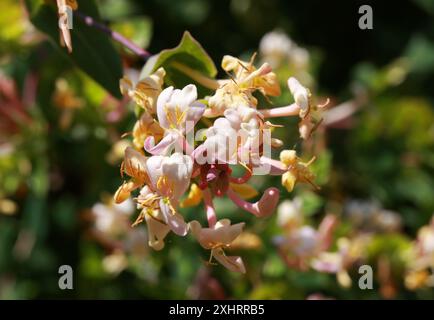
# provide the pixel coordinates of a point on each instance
(174, 220)
(157, 231)
(162, 101)
(135, 164)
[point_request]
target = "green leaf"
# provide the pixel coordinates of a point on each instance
(189, 53)
(92, 50)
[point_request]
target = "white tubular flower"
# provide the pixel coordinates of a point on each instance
(301, 96)
(218, 237)
(175, 107)
(170, 176)
(134, 165)
(169, 179)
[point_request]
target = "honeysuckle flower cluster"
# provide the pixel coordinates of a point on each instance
(170, 167)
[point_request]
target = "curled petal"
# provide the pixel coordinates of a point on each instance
(124, 191)
(221, 234)
(200, 149)
(164, 146)
(230, 63)
(301, 96)
(232, 263)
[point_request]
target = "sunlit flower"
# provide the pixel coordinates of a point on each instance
(169, 178)
(297, 171)
(217, 238)
(239, 135)
(307, 110)
(238, 91)
(301, 96)
(177, 112)
(134, 165)
(175, 107)
(247, 76)
(145, 127)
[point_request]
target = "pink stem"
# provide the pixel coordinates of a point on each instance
(291, 110)
(186, 146)
(210, 211)
(262, 208)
